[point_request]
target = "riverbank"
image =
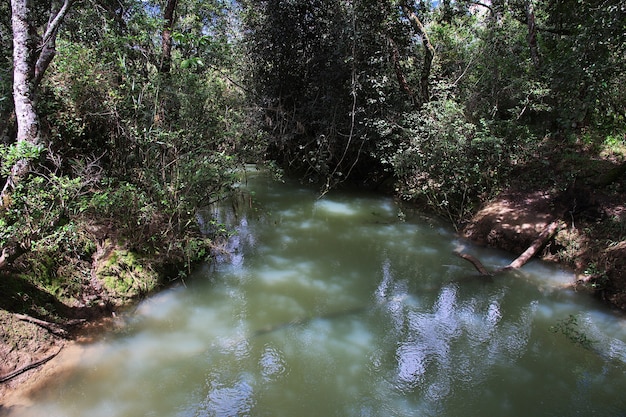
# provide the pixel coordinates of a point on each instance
(116, 276)
(41, 329)
(587, 194)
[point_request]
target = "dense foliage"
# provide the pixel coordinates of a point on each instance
(149, 106)
(131, 151)
(351, 89)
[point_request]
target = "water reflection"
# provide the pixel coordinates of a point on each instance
(334, 307)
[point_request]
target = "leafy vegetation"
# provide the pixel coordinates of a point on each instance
(130, 152)
(147, 109)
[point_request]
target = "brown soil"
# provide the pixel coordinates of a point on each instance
(512, 221)
(23, 343)
(592, 244)
(36, 344)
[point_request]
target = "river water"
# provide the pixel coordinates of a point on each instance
(350, 305)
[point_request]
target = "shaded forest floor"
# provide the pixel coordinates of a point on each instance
(581, 186)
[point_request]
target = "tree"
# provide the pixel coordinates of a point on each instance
(32, 55)
(429, 52)
(166, 36)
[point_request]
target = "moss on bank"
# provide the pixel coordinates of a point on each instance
(71, 289)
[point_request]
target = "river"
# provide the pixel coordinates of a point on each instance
(350, 305)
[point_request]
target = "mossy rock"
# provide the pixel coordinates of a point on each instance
(125, 275)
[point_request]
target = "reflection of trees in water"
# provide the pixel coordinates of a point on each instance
(227, 222)
(456, 342)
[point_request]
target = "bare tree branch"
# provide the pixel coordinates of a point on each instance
(548, 232)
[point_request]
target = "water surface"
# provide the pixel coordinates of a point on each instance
(348, 306)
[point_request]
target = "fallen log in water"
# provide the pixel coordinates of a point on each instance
(548, 232)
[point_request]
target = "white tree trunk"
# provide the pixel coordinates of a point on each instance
(30, 61)
(24, 48)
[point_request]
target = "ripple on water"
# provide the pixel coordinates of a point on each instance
(224, 400)
(273, 364)
(335, 207)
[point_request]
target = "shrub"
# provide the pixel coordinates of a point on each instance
(448, 162)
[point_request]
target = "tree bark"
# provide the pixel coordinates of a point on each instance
(402, 81)
(429, 53)
(537, 244)
(166, 37)
(48, 44)
(532, 33)
(53, 328)
(24, 48)
(477, 264)
(29, 67)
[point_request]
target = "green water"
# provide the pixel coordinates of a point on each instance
(337, 307)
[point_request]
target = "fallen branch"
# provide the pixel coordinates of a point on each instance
(51, 327)
(477, 264)
(543, 238)
(28, 367)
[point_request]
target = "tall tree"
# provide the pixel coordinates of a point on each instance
(32, 55)
(429, 51)
(166, 36)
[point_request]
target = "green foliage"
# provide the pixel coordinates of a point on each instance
(449, 163)
(132, 153)
(326, 88)
(39, 210)
(11, 154)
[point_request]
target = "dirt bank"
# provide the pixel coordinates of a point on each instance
(40, 333)
(591, 243)
(67, 353)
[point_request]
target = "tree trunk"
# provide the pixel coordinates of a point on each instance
(28, 70)
(543, 238)
(24, 47)
(48, 44)
(537, 244)
(532, 33)
(402, 81)
(166, 37)
(429, 53)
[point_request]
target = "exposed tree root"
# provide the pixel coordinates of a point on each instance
(53, 328)
(28, 367)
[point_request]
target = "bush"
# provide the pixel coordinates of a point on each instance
(448, 162)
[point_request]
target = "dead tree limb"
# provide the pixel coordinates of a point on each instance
(537, 244)
(477, 264)
(548, 232)
(28, 367)
(53, 328)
